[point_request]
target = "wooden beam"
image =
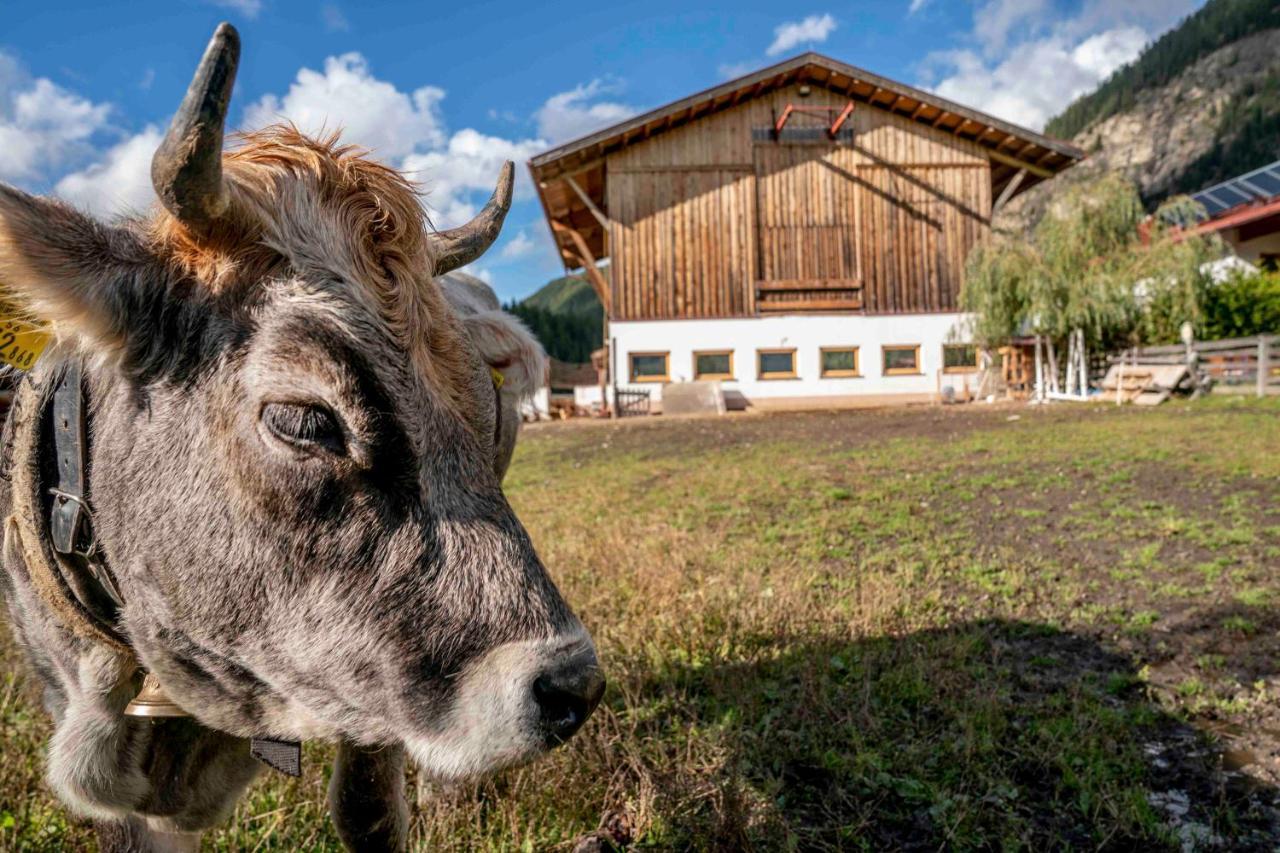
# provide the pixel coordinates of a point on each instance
(1009, 189)
(586, 199)
(588, 264)
(780, 285)
(1001, 157)
(810, 305)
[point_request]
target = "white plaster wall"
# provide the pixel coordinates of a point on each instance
(537, 407)
(806, 333)
(1252, 250)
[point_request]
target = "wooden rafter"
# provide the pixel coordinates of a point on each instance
(1033, 168)
(1009, 189)
(586, 199)
(588, 261)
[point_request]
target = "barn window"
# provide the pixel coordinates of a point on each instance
(959, 358)
(713, 364)
(901, 359)
(839, 361)
(650, 366)
(776, 363)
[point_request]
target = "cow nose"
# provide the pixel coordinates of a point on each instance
(566, 695)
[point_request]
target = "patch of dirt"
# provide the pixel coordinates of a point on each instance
(658, 437)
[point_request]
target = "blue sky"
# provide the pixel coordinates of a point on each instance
(447, 91)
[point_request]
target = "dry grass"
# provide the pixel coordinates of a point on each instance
(870, 631)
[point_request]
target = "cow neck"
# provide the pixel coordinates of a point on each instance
(49, 464)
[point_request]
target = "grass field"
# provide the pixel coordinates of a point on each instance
(915, 629)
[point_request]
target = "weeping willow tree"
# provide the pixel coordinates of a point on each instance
(1095, 267)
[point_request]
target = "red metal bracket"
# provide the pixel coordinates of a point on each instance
(836, 124)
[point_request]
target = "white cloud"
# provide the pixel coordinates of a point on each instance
(916, 6)
(569, 115)
(369, 112)
(730, 70)
(813, 29)
(43, 127)
(481, 273)
(993, 20)
(120, 182)
(1028, 63)
(248, 8)
(404, 129)
(333, 19)
(459, 176)
(518, 246)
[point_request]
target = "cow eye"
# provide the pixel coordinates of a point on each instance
(305, 426)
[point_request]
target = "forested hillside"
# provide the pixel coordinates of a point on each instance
(1199, 106)
(1217, 24)
(566, 317)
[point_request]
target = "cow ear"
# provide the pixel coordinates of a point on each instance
(510, 349)
(60, 267)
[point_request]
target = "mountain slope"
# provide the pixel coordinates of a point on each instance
(1217, 24)
(1177, 128)
(566, 295)
(566, 316)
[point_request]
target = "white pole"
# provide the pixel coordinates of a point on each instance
(1083, 370)
(1039, 395)
(1052, 354)
(1071, 363)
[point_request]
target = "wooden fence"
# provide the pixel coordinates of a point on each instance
(1241, 365)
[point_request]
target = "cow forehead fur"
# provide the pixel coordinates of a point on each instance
(328, 213)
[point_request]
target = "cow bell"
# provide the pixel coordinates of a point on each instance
(152, 701)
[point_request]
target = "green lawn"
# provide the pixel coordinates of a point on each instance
(966, 628)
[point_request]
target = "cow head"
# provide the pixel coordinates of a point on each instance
(298, 446)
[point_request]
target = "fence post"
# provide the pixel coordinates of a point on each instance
(1264, 365)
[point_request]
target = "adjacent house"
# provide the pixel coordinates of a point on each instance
(797, 233)
(1245, 212)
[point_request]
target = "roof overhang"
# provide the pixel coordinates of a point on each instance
(1248, 214)
(570, 178)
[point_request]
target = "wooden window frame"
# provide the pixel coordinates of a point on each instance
(918, 370)
(771, 377)
(962, 368)
(713, 376)
(631, 366)
(839, 373)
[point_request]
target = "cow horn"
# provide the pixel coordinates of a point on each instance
(460, 246)
(186, 170)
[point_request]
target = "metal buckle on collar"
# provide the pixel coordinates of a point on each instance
(67, 538)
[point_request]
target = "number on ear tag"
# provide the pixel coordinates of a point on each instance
(21, 342)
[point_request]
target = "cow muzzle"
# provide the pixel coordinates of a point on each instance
(566, 693)
(514, 703)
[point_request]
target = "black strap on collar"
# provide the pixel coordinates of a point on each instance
(70, 520)
(82, 564)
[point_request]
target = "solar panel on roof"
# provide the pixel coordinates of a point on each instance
(1259, 185)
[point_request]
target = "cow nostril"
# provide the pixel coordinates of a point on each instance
(565, 699)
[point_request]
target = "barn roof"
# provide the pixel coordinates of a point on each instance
(579, 203)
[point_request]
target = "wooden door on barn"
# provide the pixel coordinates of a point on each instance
(680, 243)
(807, 214)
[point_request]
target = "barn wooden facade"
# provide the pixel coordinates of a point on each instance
(809, 195)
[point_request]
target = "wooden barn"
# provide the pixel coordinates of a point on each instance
(800, 232)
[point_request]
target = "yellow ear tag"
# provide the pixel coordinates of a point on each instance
(21, 342)
(498, 378)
